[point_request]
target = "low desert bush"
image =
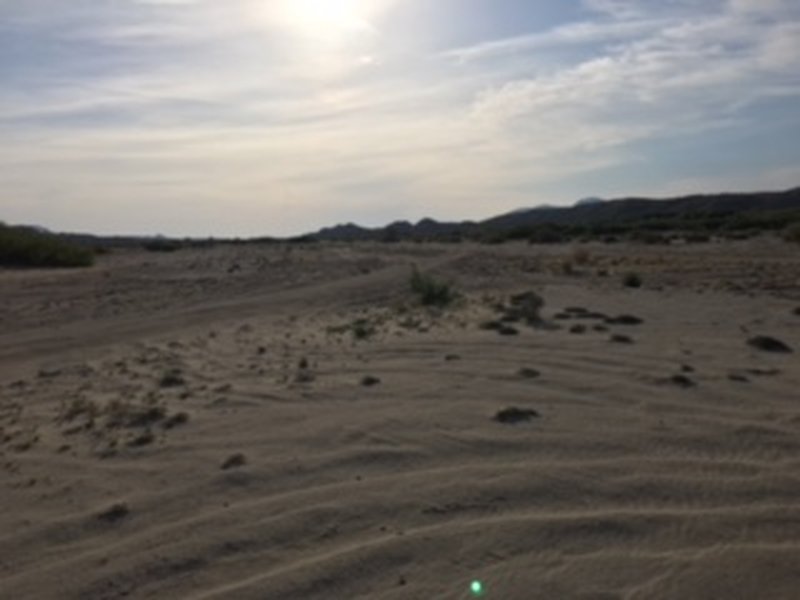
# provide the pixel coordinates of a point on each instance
(792, 233)
(581, 256)
(25, 247)
(431, 291)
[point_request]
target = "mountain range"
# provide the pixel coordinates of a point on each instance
(587, 212)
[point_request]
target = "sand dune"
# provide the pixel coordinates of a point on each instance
(298, 427)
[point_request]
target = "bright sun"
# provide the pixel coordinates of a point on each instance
(327, 17)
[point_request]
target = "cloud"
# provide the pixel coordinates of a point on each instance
(687, 76)
(586, 32)
(199, 111)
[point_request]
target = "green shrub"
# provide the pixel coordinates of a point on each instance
(431, 292)
(25, 247)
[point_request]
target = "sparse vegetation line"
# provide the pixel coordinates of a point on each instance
(26, 247)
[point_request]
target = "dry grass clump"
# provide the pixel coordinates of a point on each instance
(360, 329)
(581, 256)
(80, 407)
(118, 414)
(172, 378)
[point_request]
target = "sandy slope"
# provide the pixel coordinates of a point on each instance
(664, 468)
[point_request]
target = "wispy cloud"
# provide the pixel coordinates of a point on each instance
(196, 116)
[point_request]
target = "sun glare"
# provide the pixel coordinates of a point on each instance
(327, 17)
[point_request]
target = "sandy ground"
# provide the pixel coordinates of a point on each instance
(286, 422)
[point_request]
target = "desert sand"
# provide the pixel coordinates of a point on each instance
(287, 422)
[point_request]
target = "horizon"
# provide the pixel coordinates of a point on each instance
(275, 119)
(413, 222)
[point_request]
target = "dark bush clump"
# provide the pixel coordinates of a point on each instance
(26, 247)
(162, 246)
(632, 280)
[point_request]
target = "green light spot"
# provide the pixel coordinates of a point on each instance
(477, 588)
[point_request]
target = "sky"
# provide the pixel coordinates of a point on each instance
(278, 117)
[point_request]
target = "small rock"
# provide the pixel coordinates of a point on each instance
(589, 316)
(624, 320)
(682, 381)
(175, 420)
(143, 439)
(370, 381)
(528, 373)
(769, 344)
(513, 415)
(49, 373)
(114, 513)
(234, 461)
(764, 372)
